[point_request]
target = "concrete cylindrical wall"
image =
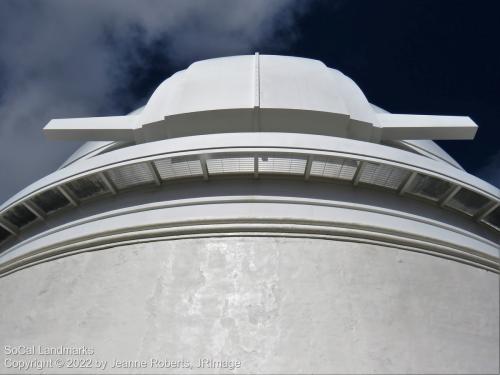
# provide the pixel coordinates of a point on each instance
(275, 304)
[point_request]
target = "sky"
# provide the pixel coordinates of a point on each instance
(82, 58)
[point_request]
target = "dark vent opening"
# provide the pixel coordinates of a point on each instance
(468, 201)
(50, 200)
(494, 218)
(87, 187)
(20, 216)
(4, 234)
(429, 187)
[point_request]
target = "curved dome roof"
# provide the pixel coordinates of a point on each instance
(262, 93)
(277, 82)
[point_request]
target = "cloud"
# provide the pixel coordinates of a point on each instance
(62, 58)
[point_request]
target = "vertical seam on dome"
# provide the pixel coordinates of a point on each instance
(256, 93)
(256, 99)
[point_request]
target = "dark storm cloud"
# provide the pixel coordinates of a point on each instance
(69, 58)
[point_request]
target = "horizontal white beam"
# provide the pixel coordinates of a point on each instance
(389, 127)
(110, 128)
(396, 126)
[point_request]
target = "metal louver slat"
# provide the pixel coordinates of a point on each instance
(50, 200)
(87, 187)
(290, 165)
(334, 167)
(429, 187)
(170, 168)
(244, 164)
(19, 216)
(467, 201)
(382, 175)
(128, 176)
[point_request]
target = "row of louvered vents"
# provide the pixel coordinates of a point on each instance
(132, 175)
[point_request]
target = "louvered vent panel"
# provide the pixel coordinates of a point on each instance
(467, 201)
(382, 175)
(50, 200)
(493, 218)
(19, 216)
(178, 167)
(244, 164)
(288, 165)
(334, 167)
(87, 187)
(131, 175)
(429, 187)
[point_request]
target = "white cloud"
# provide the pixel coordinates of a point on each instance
(67, 59)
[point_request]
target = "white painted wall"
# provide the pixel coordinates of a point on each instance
(287, 305)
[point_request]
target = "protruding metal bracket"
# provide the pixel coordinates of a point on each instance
(107, 182)
(37, 211)
(68, 195)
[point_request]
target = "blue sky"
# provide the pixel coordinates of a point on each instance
(94, 58)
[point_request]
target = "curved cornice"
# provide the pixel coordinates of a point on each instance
(304, 144)
(258, 216)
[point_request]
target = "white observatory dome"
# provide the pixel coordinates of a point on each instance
(258, 211)
(273, 83)
(292, 95)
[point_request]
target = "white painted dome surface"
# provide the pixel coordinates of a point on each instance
(285, 83)
(261, 94)
(221, 95)
(260, 210)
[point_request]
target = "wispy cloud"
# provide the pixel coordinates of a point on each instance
(62, 58)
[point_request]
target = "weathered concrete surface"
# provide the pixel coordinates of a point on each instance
(275, 304)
